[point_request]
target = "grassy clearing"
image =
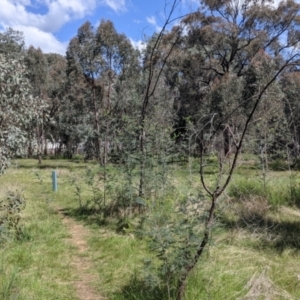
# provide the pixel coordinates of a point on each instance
(245, 259)
(37, 265)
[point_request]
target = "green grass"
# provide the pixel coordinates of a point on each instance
(239, 257)
(37, 265)
(279, 188)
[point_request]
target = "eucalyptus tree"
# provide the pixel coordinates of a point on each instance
(84, 63)
(268, 133)
(37, 74)
(104, 59)
(119, 70)
(224, 66)
(12, 42)
(18, 104)
(218, 44)
(56, 87)
(18, 108)
(230, 36)
(156, 55)
(117, 57)
(75, 112)
(290, 84)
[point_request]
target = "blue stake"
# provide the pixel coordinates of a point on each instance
(54, 181)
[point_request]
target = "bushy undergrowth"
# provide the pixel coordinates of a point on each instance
(145, 259)
(11, 205)
(172, 228)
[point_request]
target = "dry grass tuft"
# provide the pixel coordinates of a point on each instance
(254, 210)
(260, 286)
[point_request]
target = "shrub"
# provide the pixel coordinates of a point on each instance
(10, 208)
(174, 238)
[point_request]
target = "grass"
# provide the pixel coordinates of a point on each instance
(117, 261)
(37, 265)
(278, 188)
(241, 260)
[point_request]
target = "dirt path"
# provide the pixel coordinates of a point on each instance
(81, 264)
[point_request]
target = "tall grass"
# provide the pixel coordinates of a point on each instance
(38, 265)
(278, 191)
(8, 282)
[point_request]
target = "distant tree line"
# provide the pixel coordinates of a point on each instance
(219, 59)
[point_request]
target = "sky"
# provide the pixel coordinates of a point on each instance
(50, 24)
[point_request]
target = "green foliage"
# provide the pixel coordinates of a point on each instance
(102, 67)
(37, 264)
(97, 191)
(17, 108)
(292, 190)
(39, 177)
(92, 180)
(12, 42)
(125, 266)
(173, 237)
(142, 289)
(11, 207)
(78, 191)
(218, 85)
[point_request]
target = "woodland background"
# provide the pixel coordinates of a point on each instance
(213, 92)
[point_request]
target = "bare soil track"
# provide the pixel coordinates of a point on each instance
(80, 262)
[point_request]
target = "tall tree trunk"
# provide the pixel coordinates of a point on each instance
(39, 144)
(142, 163)
(97, 125)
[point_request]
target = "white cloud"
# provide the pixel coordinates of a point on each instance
(152, 20)
(116, 5)
(140, 45)
(190, 3)
(38, 28)
(59, 12)
(275, 3)
(44, 40)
